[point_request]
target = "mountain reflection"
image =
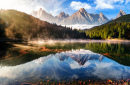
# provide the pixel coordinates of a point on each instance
(81, 56)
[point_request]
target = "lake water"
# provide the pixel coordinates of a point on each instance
(68, 63)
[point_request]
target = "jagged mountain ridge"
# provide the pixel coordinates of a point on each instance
(80, 17)
(121, 13)
(61, 16)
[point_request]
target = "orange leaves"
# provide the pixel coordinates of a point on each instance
(23, 52)
(47, 80)
(48, 50)
(107, 54)
(58, 50)
(112, 54)
(7, 56)
(109, 81)
(44, 49)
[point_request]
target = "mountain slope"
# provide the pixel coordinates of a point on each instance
(24, 26)
(121, 13)
(118, 28)
(82, 17)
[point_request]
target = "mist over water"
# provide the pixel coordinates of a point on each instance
(80, 26)
(54, 41)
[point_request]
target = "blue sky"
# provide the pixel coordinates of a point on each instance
(110, 8)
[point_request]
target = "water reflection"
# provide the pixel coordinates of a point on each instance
(118, 52)
(65, 66)
(80, 56)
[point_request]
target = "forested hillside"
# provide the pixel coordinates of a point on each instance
(15, 24)
(119, 28)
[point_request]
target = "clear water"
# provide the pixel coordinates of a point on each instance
(77, 62)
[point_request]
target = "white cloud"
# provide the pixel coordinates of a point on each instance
(13, 72)
(75, 65)
(127, 1)
(80, 26)
(51, 6)
(55, 6)
(108, 70)
(77, 5)
(103, 65)
(106, 4)
(20, 5)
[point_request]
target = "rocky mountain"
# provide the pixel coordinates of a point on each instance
(43, 15)
(61, 16)
(102, 18)
(82, 17)
(121, 13)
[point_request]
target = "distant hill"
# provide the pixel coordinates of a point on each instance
(118, 28)
(15, 24)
